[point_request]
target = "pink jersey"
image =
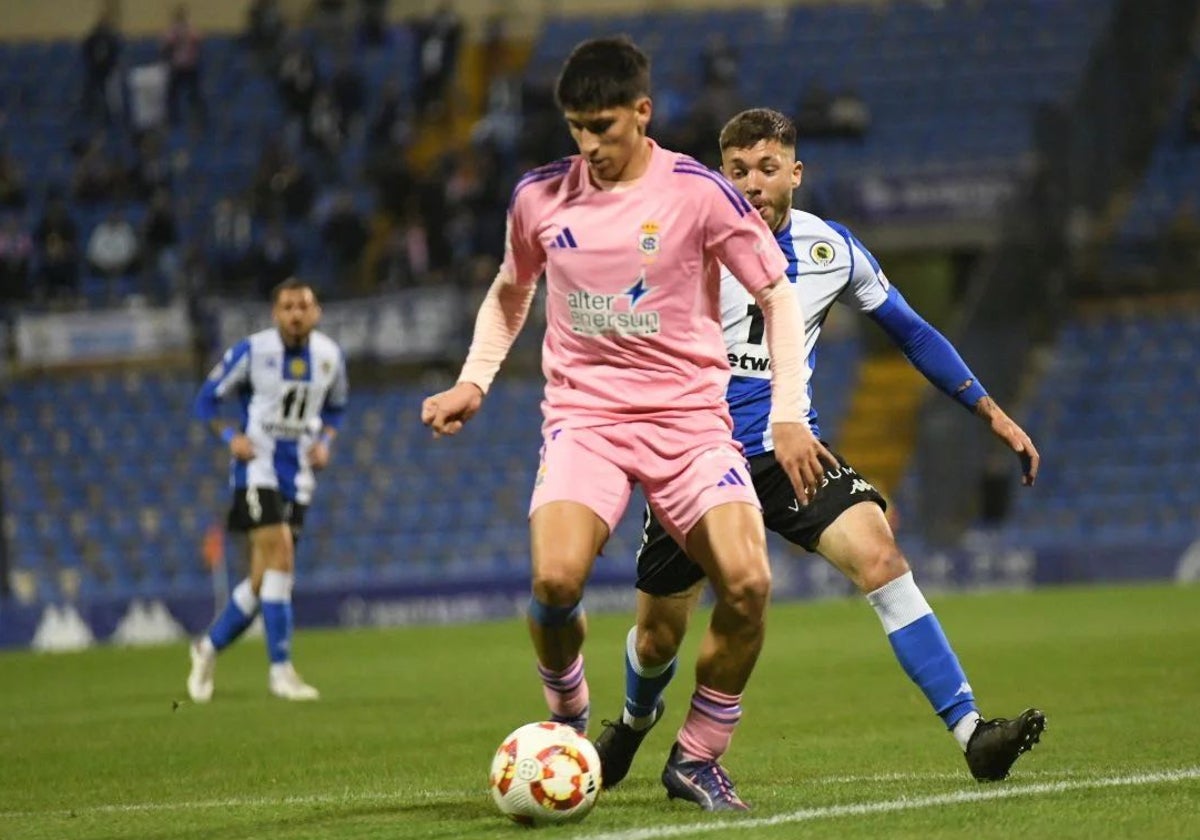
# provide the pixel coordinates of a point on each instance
(633, 317)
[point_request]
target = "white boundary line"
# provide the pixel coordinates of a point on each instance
(651, 833)
(900, 804)
(346, 798)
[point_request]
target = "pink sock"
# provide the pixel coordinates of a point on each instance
(566, 691)
(709, 725)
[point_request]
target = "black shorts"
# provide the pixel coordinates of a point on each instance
(255, 507)
(664, 569)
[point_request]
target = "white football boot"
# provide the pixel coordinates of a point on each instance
(200, 679)
(286, 683)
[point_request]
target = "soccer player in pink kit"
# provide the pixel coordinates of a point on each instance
(630, 236)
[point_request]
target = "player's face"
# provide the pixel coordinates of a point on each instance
(296, 313)
(609, 139)
(766, 173)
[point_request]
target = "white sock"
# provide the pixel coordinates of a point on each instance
(965, 728)
(205, 646)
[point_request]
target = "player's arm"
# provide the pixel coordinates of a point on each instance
(801, 455)
(231, 373)
(743, 243)
(500, 318)
(935, 357)
(332, 413)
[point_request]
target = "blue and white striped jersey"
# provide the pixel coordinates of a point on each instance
(826, 263)
(287, 396)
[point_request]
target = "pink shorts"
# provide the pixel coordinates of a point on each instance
(685, 467)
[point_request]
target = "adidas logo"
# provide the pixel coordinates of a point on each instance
(731, 478)
(564, 240)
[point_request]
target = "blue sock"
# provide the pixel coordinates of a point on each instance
(235, 618)
(643, 686)
(276, 594)
(922, 648)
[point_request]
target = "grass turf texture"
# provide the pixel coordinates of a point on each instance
(400, 744)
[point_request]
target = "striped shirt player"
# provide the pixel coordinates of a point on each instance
(288, 396)
(843, 521)
(291, 388)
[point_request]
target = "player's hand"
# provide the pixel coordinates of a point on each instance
(318, 455)
(1014, 437)
(241, 447)
(446, 412)
(803, 458)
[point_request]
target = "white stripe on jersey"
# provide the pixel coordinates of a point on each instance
(284, 394)
(825, 264)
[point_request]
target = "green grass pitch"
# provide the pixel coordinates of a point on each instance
(835, 741)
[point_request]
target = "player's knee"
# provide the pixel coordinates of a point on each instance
(555, 587)
(748, 591)
(882, 565)
(657, 644)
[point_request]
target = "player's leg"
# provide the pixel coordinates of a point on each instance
(579, 494)
(729, 544)
(669, 586)
(273, 553)
(565, 538)
(239, 610)
(860, 544)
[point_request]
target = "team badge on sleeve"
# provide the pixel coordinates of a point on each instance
(821, 252)
(649, 239)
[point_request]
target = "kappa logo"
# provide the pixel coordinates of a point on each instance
(965, 688)
(860, 486)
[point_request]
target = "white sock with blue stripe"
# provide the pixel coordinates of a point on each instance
(925, 654)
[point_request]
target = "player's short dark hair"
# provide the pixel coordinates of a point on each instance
(289, 285)
(755, 125)
(603, 73)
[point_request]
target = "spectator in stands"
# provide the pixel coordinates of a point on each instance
(1180, 244)
(16, 250)
(349, 89)
(264, 30)
(849, 115)
(152, 168)
(101, 51)
(229, 241)
(401, 261)
(98, 176)
(324, 134)
(160, 240)
(329, 19)
(12, 182)
(297, 80)
(56, 239)
(372, 22)
(719, 63)
(1192, 118)
(112, 249)
(391, 127)
(821, 113)
(274, 259)
(281, 183)
(181, 47)
(345, 233)
(438, 39)
(812, 111)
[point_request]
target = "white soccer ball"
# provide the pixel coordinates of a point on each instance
(545, 773)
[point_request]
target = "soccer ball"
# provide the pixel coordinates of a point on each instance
(545, 773)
